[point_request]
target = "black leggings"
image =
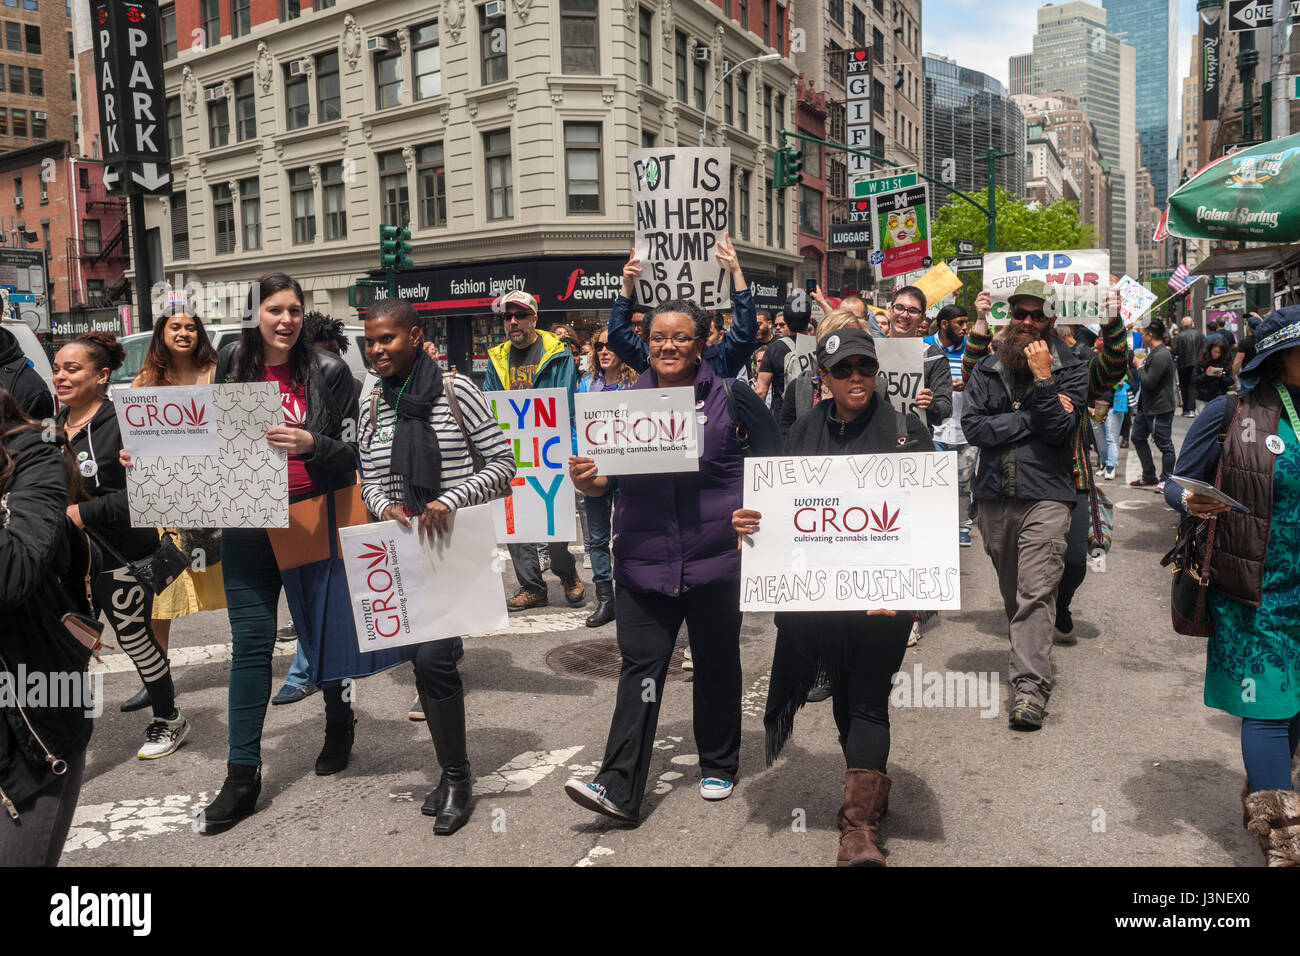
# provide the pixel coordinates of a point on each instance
(860, 686)
(436, 675)
(128, 607)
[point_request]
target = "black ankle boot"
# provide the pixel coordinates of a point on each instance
(237, 799)
(604, 612)
(339, 735)
(449, 803)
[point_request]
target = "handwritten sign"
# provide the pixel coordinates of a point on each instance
(852, 532)
(638, 431)
(679, 197)
(540, 504)
(244, 485)
(408, 590)
(172, 422)
(1134, 299)
(902, 231)
(902, 372)
(1078, 282)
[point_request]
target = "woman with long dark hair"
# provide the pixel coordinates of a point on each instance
(179, 353)
(81, 372)
(43, 564)
(609, 374)
(318, 396)
(1213, 376)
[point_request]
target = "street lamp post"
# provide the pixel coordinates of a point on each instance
(765, 58)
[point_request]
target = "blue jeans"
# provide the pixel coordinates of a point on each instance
(1160, 429)
(299, 675)
(598, 512)
(1114, 421)
(1267, 747)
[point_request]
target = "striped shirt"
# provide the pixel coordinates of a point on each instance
(461, 487)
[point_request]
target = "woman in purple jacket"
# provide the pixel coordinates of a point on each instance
(675, 560)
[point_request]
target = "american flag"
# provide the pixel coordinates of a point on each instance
(1180, 279)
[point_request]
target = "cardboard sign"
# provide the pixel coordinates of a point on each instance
(639, 431)
(244, 485)
(1078, 281)
(540, 504)
(679, 197)
(173, 421)
(852, 532)
(902, 372)
(406, 590)
(937, 283)
(1134, 299)
(902, 231)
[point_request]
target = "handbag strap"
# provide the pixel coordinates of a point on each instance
(453, 404)
(103, 543)
(742, 430)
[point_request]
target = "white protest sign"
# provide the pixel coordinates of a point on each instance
(801, 358)
(640, 431)
(1134, 299)
(902, 372)
(679, 196)
(540, 504)
(852, 532)
(1078, 281)
(174, 421)
(408, 590)
(244, 485)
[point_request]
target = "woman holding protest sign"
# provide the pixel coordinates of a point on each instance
(318, 395)
(430, 444)
(675, 560)
(81, 371)
(860, 651)
(610, 374)
(181, 354)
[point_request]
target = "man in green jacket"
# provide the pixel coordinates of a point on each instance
(533, 358)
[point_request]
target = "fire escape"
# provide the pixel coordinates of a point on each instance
(100, 264)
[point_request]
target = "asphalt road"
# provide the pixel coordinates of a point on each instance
(1131, 767)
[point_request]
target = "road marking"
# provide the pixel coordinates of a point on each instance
(215, 653)
(525, 771)
(593, 854)
(755, 700)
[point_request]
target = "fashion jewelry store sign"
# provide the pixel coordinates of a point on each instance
(638, 431)
(679, 196)
(852, 532)
(536, 423)
(407, 590)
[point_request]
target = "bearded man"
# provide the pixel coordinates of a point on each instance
(1023, 405)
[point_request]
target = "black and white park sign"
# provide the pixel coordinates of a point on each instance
(128, 72)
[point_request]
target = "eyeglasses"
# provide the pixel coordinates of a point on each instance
(911, 310)
(846, 370)
(599, 346)
(681, 339)
(1038, 315)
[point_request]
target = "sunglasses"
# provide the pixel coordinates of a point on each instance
(1038, 315)
(845, 370)
(600, 346)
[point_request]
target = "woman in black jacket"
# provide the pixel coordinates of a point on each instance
(81, 371)
(318, 395)
(42, 749)
(860, 651)
(1213, 376)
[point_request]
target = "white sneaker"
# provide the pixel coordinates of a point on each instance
(712, 788)
(163, 737)
(688, 662)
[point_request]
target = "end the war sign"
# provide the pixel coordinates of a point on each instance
(171, 422)
(128, 70)
(540, 504)
(639, 431)
(1078, 282)
(852, 532)
(679, 196)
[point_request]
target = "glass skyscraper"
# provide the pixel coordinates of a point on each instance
(1151, 27)
(966, 112)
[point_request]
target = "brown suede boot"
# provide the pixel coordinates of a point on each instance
(866, 794)
(1275, 822)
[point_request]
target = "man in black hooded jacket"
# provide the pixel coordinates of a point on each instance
(22, 381)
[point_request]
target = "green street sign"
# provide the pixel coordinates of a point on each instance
(874, 187)
(1295, 87)
(1161, 275)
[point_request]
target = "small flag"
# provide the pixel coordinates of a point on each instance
(1179, 280)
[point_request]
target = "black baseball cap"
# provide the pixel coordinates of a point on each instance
(842, 344)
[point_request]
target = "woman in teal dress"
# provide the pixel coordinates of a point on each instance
(1252, 666)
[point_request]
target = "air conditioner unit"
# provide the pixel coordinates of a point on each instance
(18, 201)
(494, 8)
(38, 114)
(299, 67)
(377, 44)
(214, 93)
(703, 54)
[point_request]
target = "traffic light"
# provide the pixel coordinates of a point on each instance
(395, 247)
(789, 164)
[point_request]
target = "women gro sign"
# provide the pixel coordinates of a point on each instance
(173, 422)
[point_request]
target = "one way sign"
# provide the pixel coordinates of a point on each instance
(1255, 14)
(128, 68)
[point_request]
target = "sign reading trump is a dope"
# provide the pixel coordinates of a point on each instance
(639, 431)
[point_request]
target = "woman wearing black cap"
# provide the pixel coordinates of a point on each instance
(1252, 666)
(860, 651)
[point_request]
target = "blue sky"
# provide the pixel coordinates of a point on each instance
(982, 34)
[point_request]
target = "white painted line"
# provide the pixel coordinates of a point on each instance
(755, 700)
(594, 854)
(525, 771)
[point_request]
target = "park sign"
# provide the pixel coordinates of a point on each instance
(129, 76)
(1250, 196)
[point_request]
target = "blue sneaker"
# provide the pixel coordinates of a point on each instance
(963, 538)
(593, 797)
(290, 694)
(712, 788)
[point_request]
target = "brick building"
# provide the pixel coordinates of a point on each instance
(38, 87)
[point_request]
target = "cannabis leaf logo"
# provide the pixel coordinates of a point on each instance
(196, 414)
(376, 554)
(883, 521)
(652, 173)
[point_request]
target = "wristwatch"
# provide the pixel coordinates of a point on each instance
(1045, 380)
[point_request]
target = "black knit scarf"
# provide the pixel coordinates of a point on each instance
(416, 455)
